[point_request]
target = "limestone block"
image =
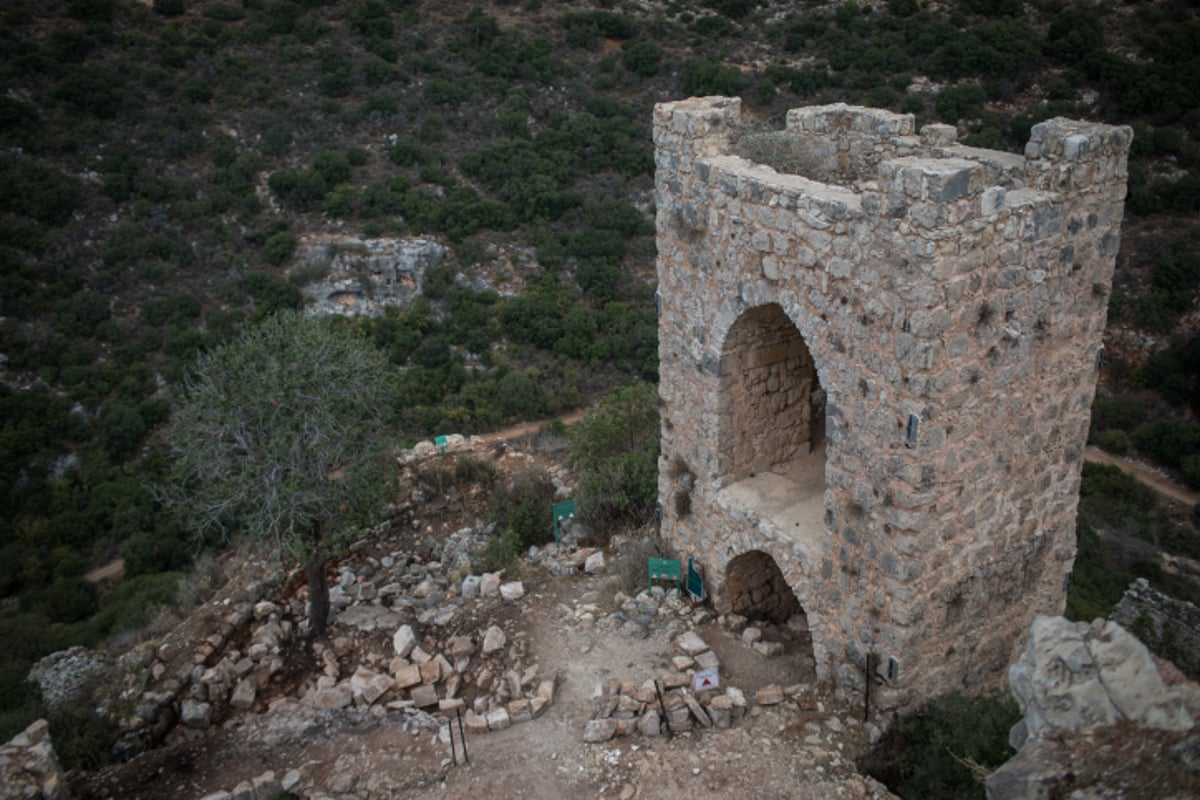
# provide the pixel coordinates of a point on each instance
(599, 730)
(404, 640)
(493, 640)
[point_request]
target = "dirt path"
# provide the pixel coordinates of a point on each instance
(527, 428)
(1147, 475)
(112, 571)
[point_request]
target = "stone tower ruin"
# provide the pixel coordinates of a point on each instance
(878, 351)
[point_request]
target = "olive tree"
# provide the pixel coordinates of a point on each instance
(277, 436)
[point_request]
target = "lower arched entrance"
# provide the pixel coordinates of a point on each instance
(776, 623)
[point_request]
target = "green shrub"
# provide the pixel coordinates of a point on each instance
(919, 756)
(36, 191)
(964, 101)
(703, 77)
(500, 554)
(641, 57)
(1114, 441)
(524, 507)
(1096, 585)
(278, 248)
(81, 739)
(615, 449)
(468, 470)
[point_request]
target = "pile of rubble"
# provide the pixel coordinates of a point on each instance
(680, 699)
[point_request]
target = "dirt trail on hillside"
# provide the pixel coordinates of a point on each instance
(1146, 474)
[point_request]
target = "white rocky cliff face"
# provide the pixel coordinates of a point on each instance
(1084, 688)
(362, 277)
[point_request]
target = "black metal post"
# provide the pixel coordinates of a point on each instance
(462, 737)
(663, 708)
(867, 707)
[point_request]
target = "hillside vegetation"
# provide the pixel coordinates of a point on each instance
(161, 161)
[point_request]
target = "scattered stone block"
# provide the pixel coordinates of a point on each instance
(767, 648)
(514, 590)
(476, 723)
(691, 643)
(243, 695)
(498, 719)
(195, 714)
(337, 696)
(707, 660)
(423, 696)
(404, 640)
(599, 730)
(520, 710)
(489, 584)
(408, 675)
(769, 695)
(595, 563)
(650, 724)
(493, 640)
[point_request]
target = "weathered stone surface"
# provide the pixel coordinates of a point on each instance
(365, 276)
(489, 584)
(650, 724)
(370, 685)
(336, 696)
(423, 696)
(29, 767)
(404, 640)
(595, 563)
(493, 640)
(1075, 676)
(243, 695)
(769, 695)
(514, 590)
(195, 714)
(498, 719)
(873, 344)
(407, 675)
(599, 730)
(691, 643)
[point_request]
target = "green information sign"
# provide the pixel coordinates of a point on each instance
(440, 441)
(562, 511)
(695, 580)
(666, 569)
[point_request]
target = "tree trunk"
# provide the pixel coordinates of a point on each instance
(318, 591)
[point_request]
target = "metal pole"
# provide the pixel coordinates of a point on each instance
(663, 707)
(867, 707)
(462, 737)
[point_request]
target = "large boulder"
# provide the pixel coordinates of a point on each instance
(70, 678)
(1075, 676)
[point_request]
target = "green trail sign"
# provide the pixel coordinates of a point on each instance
(665, 569)
(440, 441)
(562, 511)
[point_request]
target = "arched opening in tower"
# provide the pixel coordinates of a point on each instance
(771, 449)
(756, 589)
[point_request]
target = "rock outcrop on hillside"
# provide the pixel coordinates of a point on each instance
(29, 769)
(1096, 705)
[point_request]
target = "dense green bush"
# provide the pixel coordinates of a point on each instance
(615, 449)
(641, 57)
(523, 507)
(703, 77)
(920, 756)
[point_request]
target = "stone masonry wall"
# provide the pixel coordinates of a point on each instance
(952, 301)
(767, 410)
(757, 589)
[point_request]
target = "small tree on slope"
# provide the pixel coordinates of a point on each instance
(277, 437)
